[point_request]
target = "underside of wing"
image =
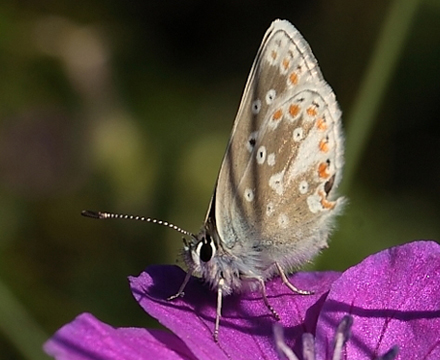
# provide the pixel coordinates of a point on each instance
(275, 191)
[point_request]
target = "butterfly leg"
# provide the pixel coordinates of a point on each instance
(289, 284)
(181, 293)
(264, 294)
(219, 308)
(266, 301)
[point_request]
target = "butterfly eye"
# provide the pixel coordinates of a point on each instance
(206, 249)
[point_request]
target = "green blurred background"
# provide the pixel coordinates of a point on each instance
(126, 106)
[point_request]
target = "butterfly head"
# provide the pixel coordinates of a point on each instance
(207, 255)
(201, 253)
(200, 249)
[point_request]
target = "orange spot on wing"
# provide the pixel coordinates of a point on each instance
(323, 145)
(274, 54)
(293, 110)
(286, 64)
(277, 115)
(325, 203)
(311, 111)
(293, 77)
(321, 124)
(322, 171)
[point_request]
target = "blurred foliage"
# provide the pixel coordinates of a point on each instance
(127, 107)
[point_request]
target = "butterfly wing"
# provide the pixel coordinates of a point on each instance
(275, 190)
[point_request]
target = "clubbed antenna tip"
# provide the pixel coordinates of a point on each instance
(92, 214)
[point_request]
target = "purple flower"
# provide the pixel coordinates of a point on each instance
(393, 298)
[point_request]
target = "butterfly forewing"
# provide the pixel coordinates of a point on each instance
(275, 191)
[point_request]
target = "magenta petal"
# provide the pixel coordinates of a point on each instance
(86, 338)
(394, 298)
(246, 324)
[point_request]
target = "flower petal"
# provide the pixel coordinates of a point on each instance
(86, 338)
(394, 299)
(246, 323)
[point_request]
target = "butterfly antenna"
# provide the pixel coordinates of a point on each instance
(106, 215)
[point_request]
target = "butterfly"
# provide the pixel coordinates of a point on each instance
(275, 200)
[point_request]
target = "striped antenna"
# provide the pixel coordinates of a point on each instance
(106, 215)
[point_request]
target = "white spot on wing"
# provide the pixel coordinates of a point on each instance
(283, 220)
(249, 194)
(261, 155)
(270, 208)
(271, 159)
(276, 182)
(270, 96)
(250, 144)
(303, 187)
(307, 155)
(298, 134)
(314, 203)
(256, 106)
